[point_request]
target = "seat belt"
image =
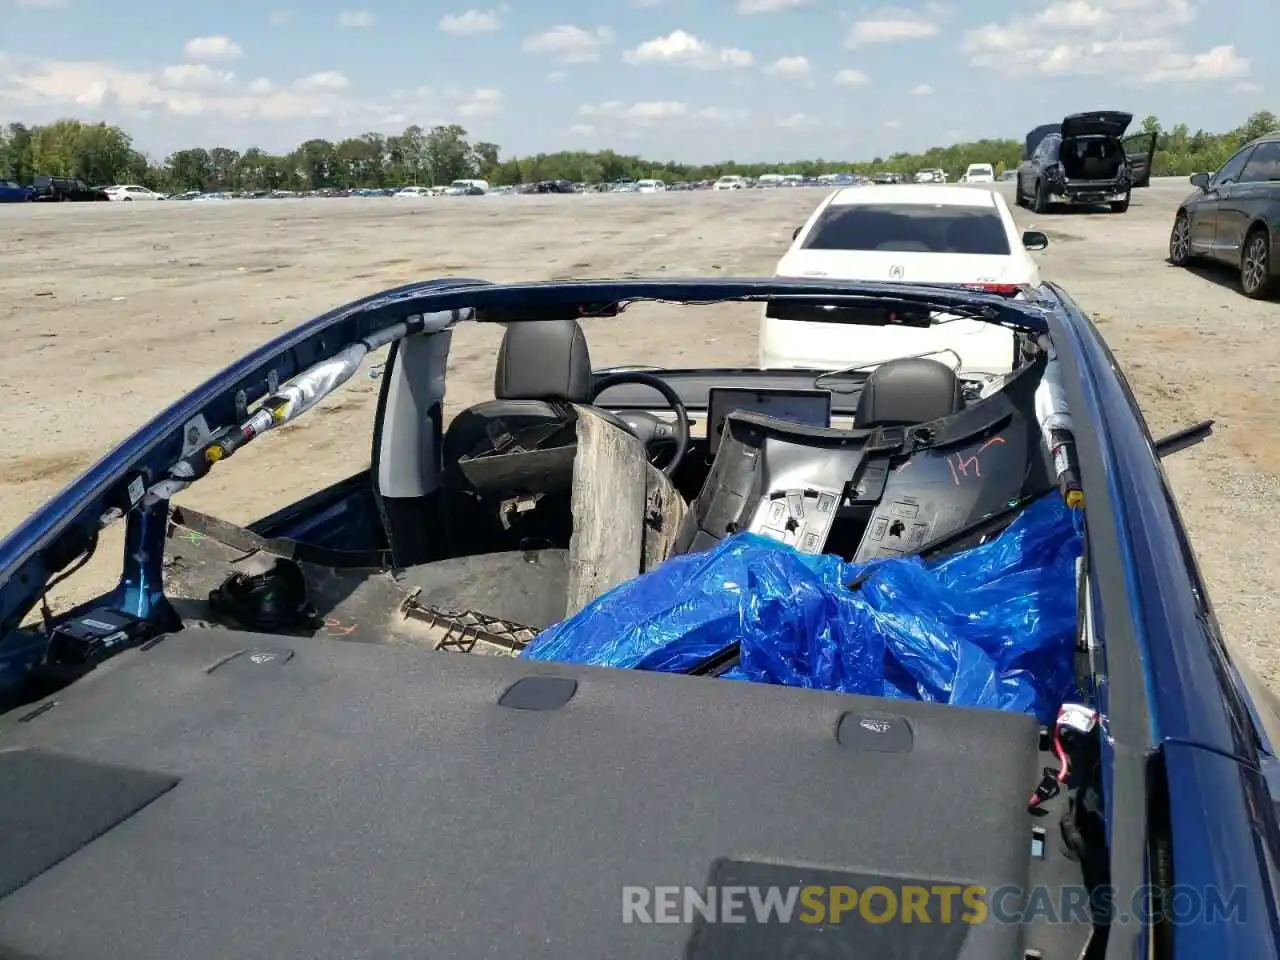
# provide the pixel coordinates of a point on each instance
(246, 541)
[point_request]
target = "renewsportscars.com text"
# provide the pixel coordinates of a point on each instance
(936, 903)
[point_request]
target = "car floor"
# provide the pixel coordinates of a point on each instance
(527, 587)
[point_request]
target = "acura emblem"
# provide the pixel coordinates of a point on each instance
(895, 272)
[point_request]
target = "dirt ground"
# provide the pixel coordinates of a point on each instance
(112, 311)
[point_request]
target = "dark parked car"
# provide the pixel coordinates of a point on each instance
(11, 192)
(1085, 159)
(554, 186)
(50, 189)
(1234, 217)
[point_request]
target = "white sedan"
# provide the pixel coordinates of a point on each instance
(131, 191)
(905, 233)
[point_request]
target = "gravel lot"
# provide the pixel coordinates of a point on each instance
(114, 310)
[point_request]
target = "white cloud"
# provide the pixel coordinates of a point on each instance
(485, 102)
(683, 49)
(850, 78)
(893, 124)
(922, 90)
(723, 114)
(1219, 63)
(1132, 41)
(799, 121)
(749, 7)
(892, 24)
(327, 80)
(555, 76)
(280, 18)
(199, 76)
(1246, 86)
(582, 130)
(356, 18)
(618, 118)
(471, 22)
(793, 68)
(570, 44)
(211, 49)
(644, 111)
(101, 90)
(44, 4)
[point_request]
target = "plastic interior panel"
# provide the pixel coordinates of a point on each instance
(776, 478)
(998, 456)
(810, 408)
(935, 492)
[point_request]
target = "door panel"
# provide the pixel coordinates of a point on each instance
(1204, 224)
(1234, 202)
(1140, 148)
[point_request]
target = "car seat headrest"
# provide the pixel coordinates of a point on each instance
(908, 391)
(543, 360)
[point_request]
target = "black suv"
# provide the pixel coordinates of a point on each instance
(1085, 159)
(1234, 218)
(53, 189)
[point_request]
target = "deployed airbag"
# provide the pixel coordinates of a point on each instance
(992, 626)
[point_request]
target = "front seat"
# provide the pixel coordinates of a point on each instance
(908, 391)
(519, 446)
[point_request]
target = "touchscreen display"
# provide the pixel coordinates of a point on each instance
(809, 407)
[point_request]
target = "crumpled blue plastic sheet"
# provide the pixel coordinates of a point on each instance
(991, 626)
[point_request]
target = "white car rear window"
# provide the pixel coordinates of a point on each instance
(910, 228)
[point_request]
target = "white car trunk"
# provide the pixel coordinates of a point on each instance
(982, 347)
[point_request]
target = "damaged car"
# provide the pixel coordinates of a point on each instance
(619, 631)
(1084, 160)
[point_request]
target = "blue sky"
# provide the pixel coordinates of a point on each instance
(693, 80)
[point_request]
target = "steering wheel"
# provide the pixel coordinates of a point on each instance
(647, 428)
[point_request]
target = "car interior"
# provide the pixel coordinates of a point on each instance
(1091, 158)
(339, 757)
(490, 525)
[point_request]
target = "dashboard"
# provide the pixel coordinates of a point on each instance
(786, 392)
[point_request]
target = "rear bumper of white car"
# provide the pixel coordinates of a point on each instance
(801, 344)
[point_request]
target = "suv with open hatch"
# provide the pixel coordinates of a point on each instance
(1084, 160)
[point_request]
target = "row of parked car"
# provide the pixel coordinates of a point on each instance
(71, 189)
(44, 189)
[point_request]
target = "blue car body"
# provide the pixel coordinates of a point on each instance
(1186, 739)
(11, 192)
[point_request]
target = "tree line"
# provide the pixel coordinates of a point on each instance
(103, 154)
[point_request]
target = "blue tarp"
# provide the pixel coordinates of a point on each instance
(991, 626)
